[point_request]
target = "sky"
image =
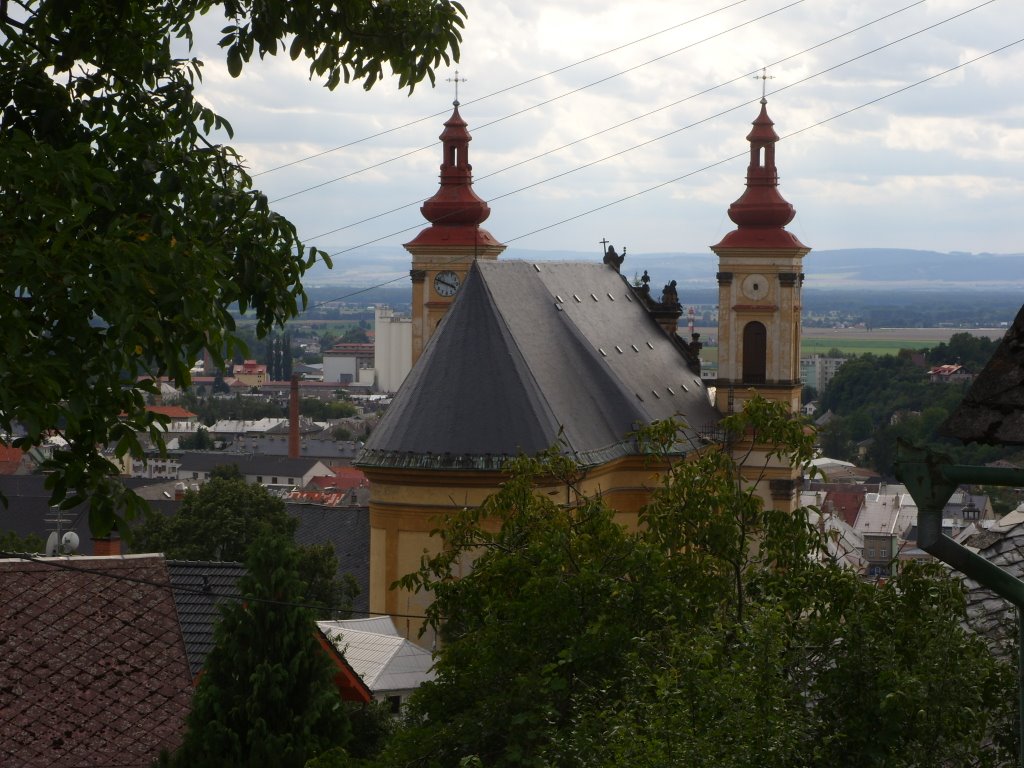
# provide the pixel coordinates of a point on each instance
(627, 122)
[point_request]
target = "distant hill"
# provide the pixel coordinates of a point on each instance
(874, 269)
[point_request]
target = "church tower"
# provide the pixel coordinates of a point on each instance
(759, 280)
(443, 252)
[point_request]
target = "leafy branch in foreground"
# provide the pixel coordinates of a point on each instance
(128, 233)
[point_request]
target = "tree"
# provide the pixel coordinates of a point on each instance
(200, 441)
(128, 232)
(266, 696)
(718, 633)
(12, 542)
(222, 521)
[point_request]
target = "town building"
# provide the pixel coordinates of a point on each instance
(392, 348)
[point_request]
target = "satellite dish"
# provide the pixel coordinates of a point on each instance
(51, 544)
(69, 542)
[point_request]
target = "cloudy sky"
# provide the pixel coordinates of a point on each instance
(627, 121)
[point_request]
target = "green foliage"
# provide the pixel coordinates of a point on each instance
(128, 234)
(326, 410)
(12, 542)
(222, 521)
(200, 441)
(266, 696)
(888, 398)
(718, 634)
(970, 351)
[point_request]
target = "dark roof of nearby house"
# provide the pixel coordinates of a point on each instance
(199, 589)
(992, 411)
(93, 667)
(348, 529)
(28, 508)
(534, 355)
(248, 464)
(987, 613)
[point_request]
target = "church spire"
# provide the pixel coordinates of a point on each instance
(761, 213)
(455, 203)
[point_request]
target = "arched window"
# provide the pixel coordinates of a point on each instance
(755, 352)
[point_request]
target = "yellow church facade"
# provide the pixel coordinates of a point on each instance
(517, 357)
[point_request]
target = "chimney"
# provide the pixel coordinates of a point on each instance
(110, 546)
(293, 419)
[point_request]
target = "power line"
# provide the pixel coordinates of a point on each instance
(545, 102)
(62, 565)
(675, 131)
(504, 90)
(691, 173)
(624, 123)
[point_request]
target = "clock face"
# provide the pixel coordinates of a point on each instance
(755, 287)
(446, 283)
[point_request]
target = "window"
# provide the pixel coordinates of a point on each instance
(273, 481)
(870, 553)
(755, 352)
(395, 702)
(259, 479)
(883, 553)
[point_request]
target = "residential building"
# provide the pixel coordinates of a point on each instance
(818, 370)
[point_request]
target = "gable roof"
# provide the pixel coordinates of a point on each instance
(533, 355)
(385, 662)
(248, 464)
(93, 662)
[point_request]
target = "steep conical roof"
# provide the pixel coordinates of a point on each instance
(534, 355)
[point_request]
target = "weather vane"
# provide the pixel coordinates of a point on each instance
(456, 80)
(764, 77)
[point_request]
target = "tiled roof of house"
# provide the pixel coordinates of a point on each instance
(93, 668)
(1003, 546)
(199, 589)
(171, 411)
(348, 529)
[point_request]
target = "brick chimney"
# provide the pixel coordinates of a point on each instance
(293, 419)
(109, 546)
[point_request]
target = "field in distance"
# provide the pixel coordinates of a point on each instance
(858, 341)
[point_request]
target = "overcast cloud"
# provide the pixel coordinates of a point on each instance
(939, 166)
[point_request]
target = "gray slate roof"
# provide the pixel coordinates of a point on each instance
(199, 589)
(992, 411)
(531, 355)
(248, 464)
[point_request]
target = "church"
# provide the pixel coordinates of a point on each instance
(512, 357)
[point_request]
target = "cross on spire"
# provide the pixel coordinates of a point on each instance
(456, 80)
(764, 77)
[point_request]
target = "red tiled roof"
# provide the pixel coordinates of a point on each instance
(343, 479)
(93, 665)
(846, 504)
(171, 411)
